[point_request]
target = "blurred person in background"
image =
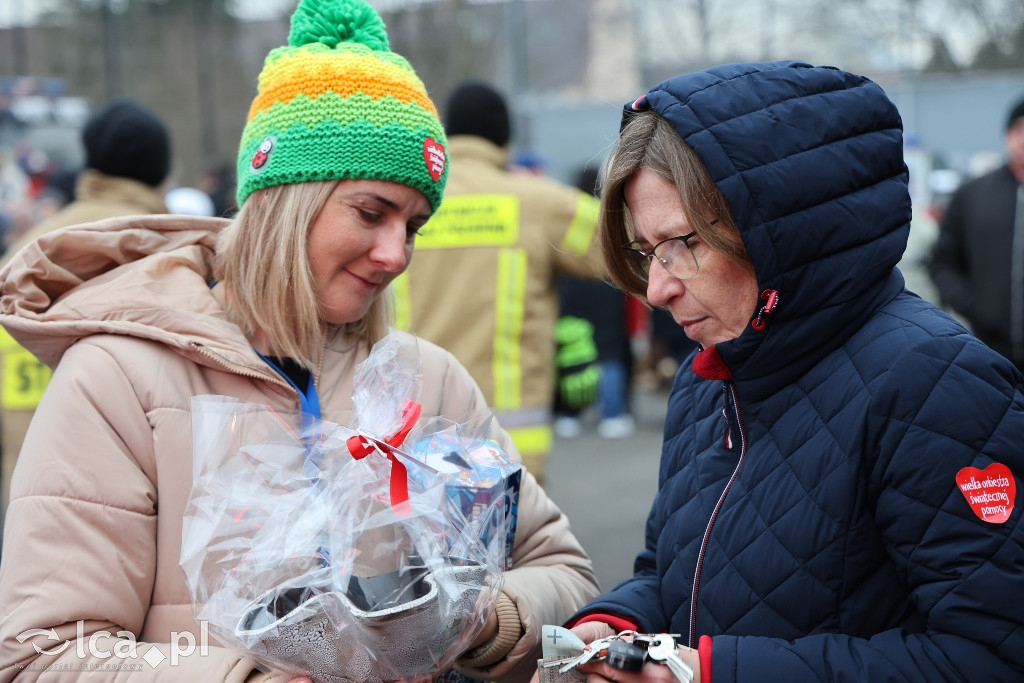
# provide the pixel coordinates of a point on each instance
(603, 305)
(841, 459)
(577, 372)
(15, 197)
(278, 306)
(127, 161)
(32, 206)
(977, 263)
(58, 192)
(53, 190)
(482, 284)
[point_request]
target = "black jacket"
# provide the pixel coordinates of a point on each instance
(972, 261)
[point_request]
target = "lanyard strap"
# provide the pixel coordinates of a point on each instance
(309, 401)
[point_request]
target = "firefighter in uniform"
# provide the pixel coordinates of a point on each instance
(482, 283)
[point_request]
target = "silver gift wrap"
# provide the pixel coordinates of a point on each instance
(324, 636)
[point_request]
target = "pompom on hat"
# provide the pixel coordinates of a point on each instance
(337, 104)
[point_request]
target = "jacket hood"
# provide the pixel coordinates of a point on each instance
(145, 276)
(810, 160)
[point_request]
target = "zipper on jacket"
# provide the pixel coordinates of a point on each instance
(244, 371)
(730, 396)
(273, 377)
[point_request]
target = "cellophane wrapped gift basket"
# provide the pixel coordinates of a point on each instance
(364, 552)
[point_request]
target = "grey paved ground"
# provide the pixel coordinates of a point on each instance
(605, 486)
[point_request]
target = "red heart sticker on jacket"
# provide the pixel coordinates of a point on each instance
(436, 158)
(989, 492)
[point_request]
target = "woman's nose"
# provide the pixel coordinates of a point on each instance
(661, 284)
(389, 248)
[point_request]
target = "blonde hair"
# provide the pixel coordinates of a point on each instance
(263, 264)
(649, 141)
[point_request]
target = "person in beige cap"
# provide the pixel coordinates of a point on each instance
(343, 159)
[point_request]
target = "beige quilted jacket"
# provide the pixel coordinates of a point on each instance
(124, 312)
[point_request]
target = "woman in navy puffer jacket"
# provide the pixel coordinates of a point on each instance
(837, 492)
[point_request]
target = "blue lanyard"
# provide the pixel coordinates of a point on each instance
(309, 401)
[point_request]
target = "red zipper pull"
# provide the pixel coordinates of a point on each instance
(771, 299)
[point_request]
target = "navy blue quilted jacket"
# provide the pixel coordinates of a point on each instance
(808, 517)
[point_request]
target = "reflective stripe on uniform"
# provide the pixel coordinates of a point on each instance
(483, 220)
(532, 440)
(403, 302)
(581, 231)
(476, 220)
(508, 328)
(24, 377)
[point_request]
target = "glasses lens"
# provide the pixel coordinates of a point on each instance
(677, 258)
(640, 260)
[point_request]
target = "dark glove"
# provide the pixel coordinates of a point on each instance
(578, 373)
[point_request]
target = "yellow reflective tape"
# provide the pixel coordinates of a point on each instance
(581, 231)
(403, 302)
(7, 342)
(475, 220)
(508, 328)
(533, 440)
(24, 380)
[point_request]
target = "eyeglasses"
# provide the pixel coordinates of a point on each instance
(675, 254)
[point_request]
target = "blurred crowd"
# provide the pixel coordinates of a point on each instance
(34, 185)
(127, 169)
(639, 347)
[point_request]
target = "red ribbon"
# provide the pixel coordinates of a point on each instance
(360, 446)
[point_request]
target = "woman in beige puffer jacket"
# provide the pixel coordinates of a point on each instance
(138, 315)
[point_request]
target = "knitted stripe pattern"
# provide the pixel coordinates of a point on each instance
(337, 104)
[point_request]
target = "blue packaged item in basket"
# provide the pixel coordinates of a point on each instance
(482, 483)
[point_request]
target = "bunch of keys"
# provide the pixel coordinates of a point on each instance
(626, 651)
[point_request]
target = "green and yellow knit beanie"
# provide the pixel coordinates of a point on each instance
(337, 104)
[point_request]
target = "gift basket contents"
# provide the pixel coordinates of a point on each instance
(365, 552)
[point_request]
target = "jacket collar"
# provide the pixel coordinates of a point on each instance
(92, 185)
(464, 147)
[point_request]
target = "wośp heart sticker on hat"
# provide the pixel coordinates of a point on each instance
(434, 155)
(990, 492)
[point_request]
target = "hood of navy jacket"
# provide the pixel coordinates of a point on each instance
(810, 160)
